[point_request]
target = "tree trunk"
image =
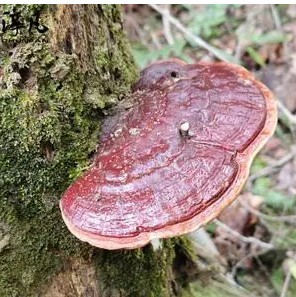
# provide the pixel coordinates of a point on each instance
(53, 86)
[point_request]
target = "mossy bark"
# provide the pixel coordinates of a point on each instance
(53, 87)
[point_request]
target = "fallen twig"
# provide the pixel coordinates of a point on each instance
(273, 167)
(249, 239)
(190, 36)
(239, 263)
(167, 26)
(276, 17)
(288, 219)
(283, 109)
(286, 284)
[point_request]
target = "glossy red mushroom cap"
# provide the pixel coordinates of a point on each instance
(176, 159)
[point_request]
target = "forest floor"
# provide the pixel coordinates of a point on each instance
(255, 237)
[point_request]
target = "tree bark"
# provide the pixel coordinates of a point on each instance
(53, 86)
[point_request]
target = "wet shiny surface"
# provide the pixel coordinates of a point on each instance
(146, 174)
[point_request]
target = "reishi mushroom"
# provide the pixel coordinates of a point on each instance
(175, 159)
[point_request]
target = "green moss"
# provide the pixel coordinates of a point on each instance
(46, 136)
(146, 272)
(140, 273)
(112, 67)
(48, 129)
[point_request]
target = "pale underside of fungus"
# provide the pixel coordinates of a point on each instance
(175, 159)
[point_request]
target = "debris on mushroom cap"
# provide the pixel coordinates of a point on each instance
(162, 69)
(151, 178)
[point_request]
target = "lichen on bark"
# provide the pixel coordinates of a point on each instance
(53, 87)
(49, 128)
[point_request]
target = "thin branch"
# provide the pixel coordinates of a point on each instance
(289, 219)
(245, 239)
(286, 113)
(167, 26)
(239, 263)
(202, 238)
(139, 31)
(273, 167)
(155, 40)
(276, 17)
(286, 284)
(190, 36)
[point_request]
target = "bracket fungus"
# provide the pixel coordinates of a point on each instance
(175, 159)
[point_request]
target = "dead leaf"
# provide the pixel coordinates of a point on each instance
(239, 219)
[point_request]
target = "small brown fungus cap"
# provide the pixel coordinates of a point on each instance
(176, 159)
